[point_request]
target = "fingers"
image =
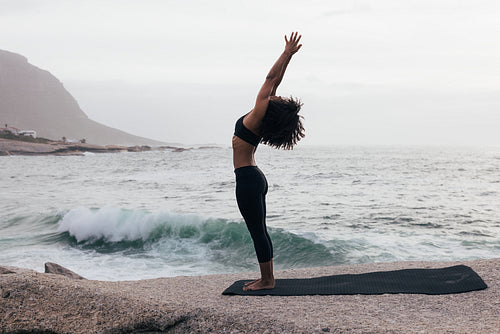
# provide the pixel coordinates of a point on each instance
(294, 38)
(292, 43)
(298, 39)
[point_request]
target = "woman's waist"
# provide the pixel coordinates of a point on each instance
(246, 168)
(242, 158)
(243, 164)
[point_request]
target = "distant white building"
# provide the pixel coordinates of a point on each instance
(31, 133)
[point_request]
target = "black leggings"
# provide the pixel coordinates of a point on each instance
(251, 190)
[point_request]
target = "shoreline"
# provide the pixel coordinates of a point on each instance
(32, 301)
(58, 148)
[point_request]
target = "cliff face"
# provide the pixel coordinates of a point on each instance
(33, 99)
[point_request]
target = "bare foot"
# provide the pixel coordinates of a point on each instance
(260, 285)
(252, 282)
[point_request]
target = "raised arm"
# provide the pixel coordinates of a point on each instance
(273, 79)
(291, 47)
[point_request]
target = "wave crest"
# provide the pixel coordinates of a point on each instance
(115, 225)
(183, 238)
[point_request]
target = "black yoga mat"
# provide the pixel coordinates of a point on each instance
(456, 279)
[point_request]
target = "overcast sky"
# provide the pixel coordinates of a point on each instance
(390, 72)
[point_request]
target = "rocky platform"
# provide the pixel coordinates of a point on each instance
(32, 302)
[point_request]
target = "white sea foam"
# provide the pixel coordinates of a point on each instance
(114, 224)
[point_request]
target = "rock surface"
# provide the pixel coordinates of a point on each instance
(33, 99)
(54, 268)
(44, 303)
(16, 147)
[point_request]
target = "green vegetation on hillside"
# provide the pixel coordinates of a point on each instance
(11, 136)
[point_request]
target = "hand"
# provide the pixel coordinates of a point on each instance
(292, 45)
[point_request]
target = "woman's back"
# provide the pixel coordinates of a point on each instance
(244, 143)
(243, 153)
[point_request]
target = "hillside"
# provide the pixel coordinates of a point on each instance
(33, 99)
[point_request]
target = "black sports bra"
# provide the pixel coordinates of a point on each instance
(242, 132)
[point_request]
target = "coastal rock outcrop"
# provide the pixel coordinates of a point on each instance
(5, 271)
(34, 99)
(54, 268)
(18, 147)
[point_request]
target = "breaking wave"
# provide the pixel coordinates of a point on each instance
(175, 237)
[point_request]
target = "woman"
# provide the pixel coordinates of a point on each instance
(274, 121)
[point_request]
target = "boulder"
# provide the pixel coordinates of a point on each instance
(54, 268)
(5, 271)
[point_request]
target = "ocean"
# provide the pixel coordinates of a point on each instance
(129, 216)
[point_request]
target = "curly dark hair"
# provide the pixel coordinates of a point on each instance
(282, 125)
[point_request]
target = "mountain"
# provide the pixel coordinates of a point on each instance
(33, 99)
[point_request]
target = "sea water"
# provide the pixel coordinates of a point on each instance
(128, 216)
